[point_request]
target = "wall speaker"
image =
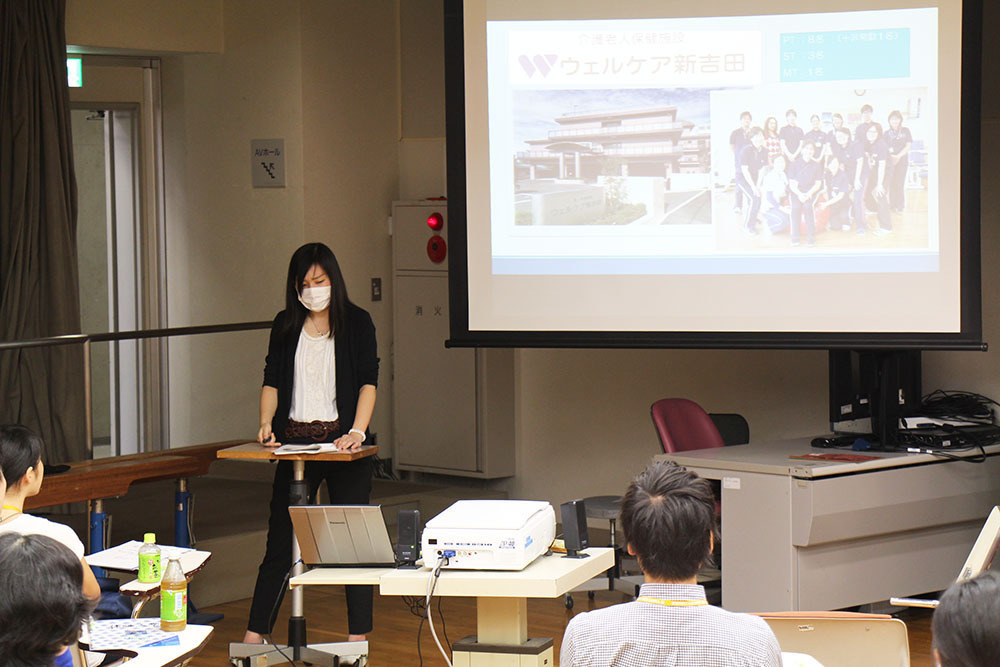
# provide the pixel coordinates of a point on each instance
(574, 525)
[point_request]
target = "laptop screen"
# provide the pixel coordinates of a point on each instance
(342, 535)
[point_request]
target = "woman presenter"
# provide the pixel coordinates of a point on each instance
(319, 386)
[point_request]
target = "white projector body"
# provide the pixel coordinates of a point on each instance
(489, 534)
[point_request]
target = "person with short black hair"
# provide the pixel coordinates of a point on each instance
(791, 137)
(898, 139)
(861, 131)
(838, 195)
(805, 179)
(738, 139)
(816, 136)
(752, 160)
(42, 606)
(668, 515)
(831, 136)
(966, 623)
(21, 461)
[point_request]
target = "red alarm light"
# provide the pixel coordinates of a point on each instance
(435, 221)
(437, 249)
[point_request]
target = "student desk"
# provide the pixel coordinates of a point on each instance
(95, 480)
(192, 640)
(501, 599)
(819, 535)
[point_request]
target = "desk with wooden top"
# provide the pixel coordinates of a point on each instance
(298, 647)
(818, 535)
(99, 479)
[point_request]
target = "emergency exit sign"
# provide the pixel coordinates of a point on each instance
(74, 67)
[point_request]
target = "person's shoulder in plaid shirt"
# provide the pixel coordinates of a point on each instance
(668, 515)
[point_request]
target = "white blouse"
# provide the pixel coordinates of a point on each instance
(314, 389)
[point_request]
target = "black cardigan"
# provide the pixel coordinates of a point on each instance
(357, 365)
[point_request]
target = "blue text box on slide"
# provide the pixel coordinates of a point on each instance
(845, 55)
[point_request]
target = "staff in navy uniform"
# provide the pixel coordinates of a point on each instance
(753, 158)
(804, 181)
(791, 137)
(738, 139)
(861, 131)
(319, 386)
(871, 188)
(899, 140)
(816, 136)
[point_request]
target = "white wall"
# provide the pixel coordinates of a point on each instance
(350, 79)
(227, 243)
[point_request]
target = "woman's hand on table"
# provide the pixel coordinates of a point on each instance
(266, 437)
(348, 441)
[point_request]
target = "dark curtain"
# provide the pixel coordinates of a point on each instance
(41, 388)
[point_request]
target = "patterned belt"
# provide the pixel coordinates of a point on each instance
(316, 430)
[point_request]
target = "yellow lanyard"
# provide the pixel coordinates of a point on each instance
(672, 603)
(11, 507)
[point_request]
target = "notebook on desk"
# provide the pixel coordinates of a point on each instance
(342, 535)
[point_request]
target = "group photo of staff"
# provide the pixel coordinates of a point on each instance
(823, 173)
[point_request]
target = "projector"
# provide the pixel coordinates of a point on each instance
(489, 534)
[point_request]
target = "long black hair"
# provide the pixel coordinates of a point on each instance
(41, 599)
(20, 449)
(302, 260)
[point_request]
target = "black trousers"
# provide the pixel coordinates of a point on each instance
(349, 483)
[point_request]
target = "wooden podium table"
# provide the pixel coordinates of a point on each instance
(320, 654)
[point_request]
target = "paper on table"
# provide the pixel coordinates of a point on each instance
(312, 448)
(125, 557)
(128, 633)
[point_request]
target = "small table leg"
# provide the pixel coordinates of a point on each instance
(502, 620)
(97, 531)
(298, 495)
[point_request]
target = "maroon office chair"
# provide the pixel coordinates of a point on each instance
(683, 425)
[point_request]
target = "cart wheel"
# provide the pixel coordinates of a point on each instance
(568, 599)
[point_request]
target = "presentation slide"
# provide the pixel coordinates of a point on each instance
(713, 173)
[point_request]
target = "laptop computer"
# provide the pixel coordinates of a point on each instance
(342, 535)
(979, 560)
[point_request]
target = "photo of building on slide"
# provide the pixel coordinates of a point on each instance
(612, 157)
(843, 169)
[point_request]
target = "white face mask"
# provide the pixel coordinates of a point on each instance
(316, 299)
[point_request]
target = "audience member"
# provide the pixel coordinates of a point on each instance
(966, 624)
(668, 515)
(42, 607)
(21, 462)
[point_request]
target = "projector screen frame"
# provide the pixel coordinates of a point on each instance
(968, 338)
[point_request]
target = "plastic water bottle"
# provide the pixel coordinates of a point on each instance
(173, 598)
(149, 560)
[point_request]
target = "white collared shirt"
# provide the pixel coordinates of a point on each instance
(643, 634)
